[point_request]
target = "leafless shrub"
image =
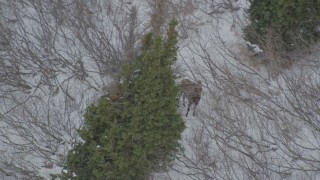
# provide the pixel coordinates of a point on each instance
(259, 119)
(272, 57)
(56, 56)
(159, 15)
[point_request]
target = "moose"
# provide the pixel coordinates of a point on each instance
(191, 91)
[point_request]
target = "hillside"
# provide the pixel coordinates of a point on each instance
(258, 118)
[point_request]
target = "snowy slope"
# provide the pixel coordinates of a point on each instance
(254, 121)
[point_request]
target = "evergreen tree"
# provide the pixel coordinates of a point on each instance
(156, 100)
(138, 133)
(296, 21)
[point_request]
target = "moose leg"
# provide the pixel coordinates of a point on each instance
(183, 99)
(189, 104)
(194, 109)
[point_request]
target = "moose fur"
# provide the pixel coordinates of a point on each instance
(191, 91)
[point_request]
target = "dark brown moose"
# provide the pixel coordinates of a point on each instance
(191, 91)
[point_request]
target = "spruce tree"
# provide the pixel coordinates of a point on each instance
(156, 100)
(296, 21)
(130, 137)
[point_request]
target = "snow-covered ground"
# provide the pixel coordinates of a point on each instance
(256, 120)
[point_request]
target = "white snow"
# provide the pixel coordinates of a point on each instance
(251, 122)
(254, 47)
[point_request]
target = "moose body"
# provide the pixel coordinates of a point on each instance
(191, 91)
